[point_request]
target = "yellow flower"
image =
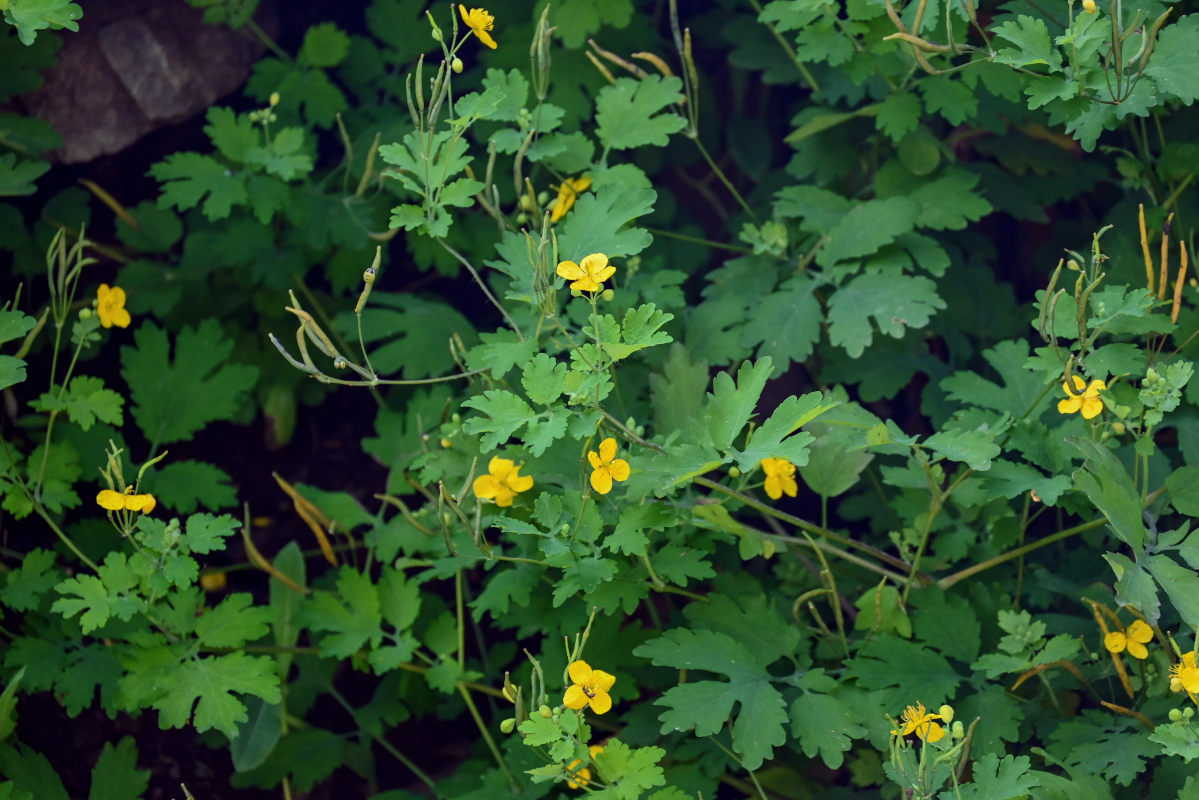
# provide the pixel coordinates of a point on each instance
(116, 501)
(1089, 6)
(780, 477)
(1088, 400)
(110, 306)
(502, 483)
(1134, 640)
(1186, 672)
(568, 192)
(583, 774)
(606, 467)
(590, 688)
(479, 21)
(917, 719)
(588, 275)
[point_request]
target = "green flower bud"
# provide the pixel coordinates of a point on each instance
(84, 313)
(734, 472)
(546, 712)
(958, 731)
(607, 294)
(508, 725)
(1175, 715)
(456, 65)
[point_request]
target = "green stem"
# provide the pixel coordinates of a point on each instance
(682, 237)
(803, 70)
(962, 575)
(390, 748)
(495, 751)
(716, 170)
(803, 524)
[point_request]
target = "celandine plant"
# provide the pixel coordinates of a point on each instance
(798, 502)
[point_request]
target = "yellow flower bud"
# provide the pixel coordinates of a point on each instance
(946, 712)
(546, 712)
(456, 65)
(274, 99)
(1089, 6)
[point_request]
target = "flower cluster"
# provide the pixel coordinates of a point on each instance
(606, 467)
(589, 274)
(1084, 397)
(1133, 640)
(502, 482)
(920, 721)
(780, 478)
(126, 501)
(480, 21)
(110, 306)
(589, 687)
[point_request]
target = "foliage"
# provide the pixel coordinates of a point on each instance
(864, 435)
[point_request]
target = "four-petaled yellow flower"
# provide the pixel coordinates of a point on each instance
(780, 478)
(1089, 6)
(588, 275)
(583, 774)
(1133, 640)
(1088, 401)
(479, 20)
(568, 192)
(127, 500)
(606, 467)
(110, 305)
(1186, 674)
(590, 688)
(502, 483)
(917, 719)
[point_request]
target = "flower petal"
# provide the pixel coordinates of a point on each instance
(602, 681)
(575, 697)
(601, 703)
(593, 459)
(1091, 407)
(619, 470)
(603, 274)
(601, 480)
(110, 500)
(570, 270)
(579, 671)
(1138, 650)
(607, 450)
(1069, 405)
(1139, 631)
(773, 487)
(1115, 642)
(594, 263)
(518, 482)
(486, 487)
(500, 467)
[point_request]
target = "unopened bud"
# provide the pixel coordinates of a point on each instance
(84, 313)
(1118, 427)
(445, 443)
(456, 65)
(1175, 714)
(946, 712)
(958, 731)
(1188, 712)
(734, 472)
(546, 712)
(608, 294)
(274, 99)
(508, 725)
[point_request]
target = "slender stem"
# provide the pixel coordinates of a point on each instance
(962, 575)
(491, 745)
(732, 755)
(803, 524)
(803, 70)
(479, 280)
(403, 759)
(682, 237)
(719, 173)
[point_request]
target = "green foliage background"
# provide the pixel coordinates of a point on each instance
(873, 241)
